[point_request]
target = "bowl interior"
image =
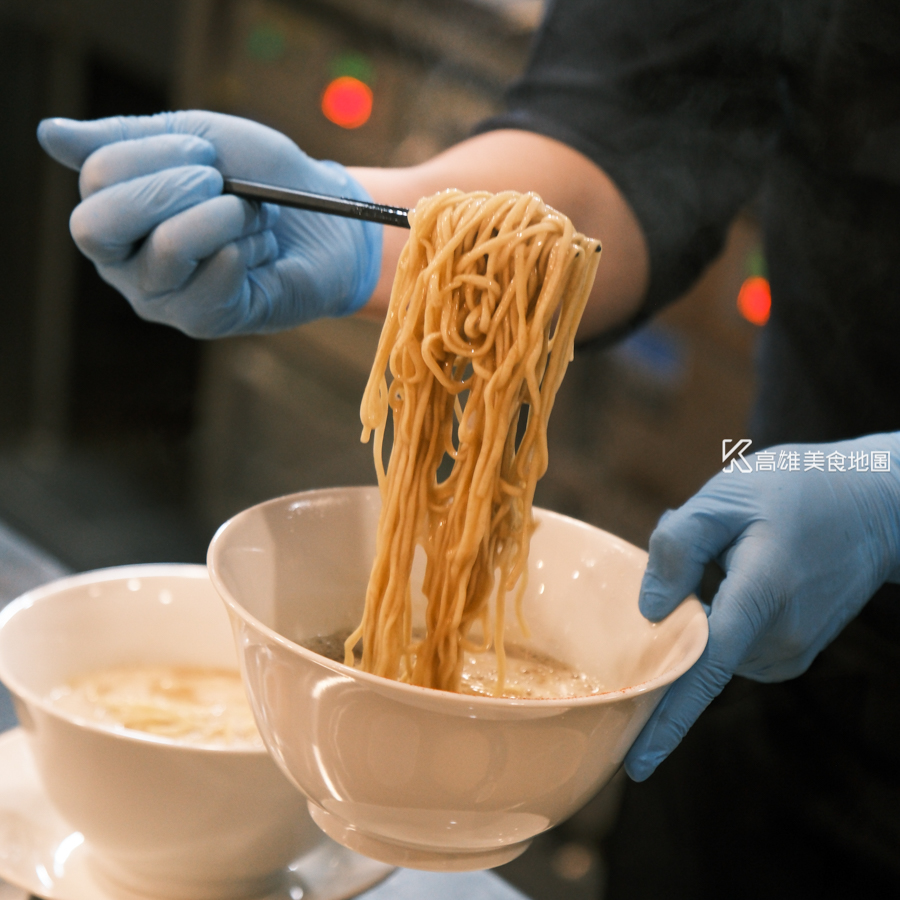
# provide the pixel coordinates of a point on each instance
(155, 614)
(299, 565)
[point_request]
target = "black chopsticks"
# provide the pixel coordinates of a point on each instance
(336, 206)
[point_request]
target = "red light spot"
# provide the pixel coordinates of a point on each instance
(754, 300)
(347, 102)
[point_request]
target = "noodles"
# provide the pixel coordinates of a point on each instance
(470, 343)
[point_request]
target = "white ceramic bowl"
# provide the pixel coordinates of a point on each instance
(425, 778)
(160, 818)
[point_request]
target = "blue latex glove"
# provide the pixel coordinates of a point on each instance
(155, 223)
(802, 552)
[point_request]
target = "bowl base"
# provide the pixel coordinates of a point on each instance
(396, 854)
(120, 882)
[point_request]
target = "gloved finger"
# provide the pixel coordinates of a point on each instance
(257, 249)
(684, 541)
(219, 300)
(125, 160)
(174, 248)
(107, 224)
(71, 142)
(730, 636)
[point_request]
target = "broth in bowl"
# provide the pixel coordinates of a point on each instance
(530, 674)
(189, 704)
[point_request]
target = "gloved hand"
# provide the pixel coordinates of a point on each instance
(802, 550)
(155, 223)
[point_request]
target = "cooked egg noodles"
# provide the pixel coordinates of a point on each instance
(481, 326)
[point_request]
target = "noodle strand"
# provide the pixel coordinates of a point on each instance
(470, 342)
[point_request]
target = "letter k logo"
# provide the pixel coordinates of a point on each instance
(735, 455)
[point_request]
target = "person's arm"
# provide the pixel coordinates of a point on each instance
(564, 178)
(154, 222)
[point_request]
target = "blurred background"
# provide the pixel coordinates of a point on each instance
(123, 441)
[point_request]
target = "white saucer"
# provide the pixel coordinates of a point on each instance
(41, 855)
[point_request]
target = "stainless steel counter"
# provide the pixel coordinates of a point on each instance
(22, 567)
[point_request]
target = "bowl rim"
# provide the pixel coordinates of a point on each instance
(51, 589)
(381, 683)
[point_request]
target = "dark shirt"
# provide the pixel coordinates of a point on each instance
(696, 108)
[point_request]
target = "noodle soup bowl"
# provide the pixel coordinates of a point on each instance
(159, 817)
(425, 778)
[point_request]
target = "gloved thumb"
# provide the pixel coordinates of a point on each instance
(684, 541)
(674, 716)
(71, 142)
(732, 630)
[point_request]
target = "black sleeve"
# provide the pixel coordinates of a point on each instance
(674, 99)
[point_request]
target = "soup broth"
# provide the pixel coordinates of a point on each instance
(530, 674)
(190, 705)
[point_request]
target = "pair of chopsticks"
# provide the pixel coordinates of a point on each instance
(335, 206)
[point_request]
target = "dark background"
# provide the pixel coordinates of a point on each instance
(122, 441)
